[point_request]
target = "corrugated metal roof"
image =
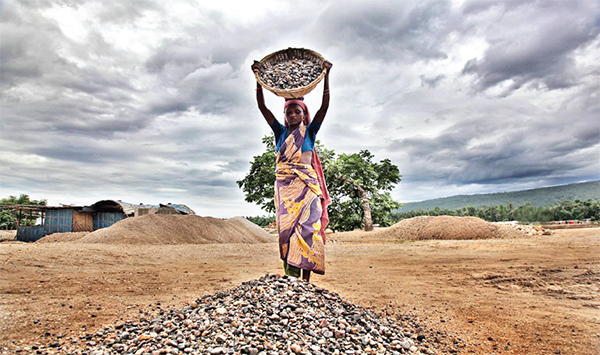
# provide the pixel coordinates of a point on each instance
(180, 207)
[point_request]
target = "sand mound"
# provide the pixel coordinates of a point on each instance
(8, 235)
(441, 227)
(175, 229)
(62, 237)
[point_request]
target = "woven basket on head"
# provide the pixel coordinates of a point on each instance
(287, 54)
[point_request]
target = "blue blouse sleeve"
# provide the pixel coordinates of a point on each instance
(311, 136)
(279, 131)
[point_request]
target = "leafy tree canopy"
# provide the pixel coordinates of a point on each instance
(23, 199)
(9, 217)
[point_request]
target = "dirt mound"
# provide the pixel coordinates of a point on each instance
(170, 229)
(441, 227)
(8, 235)
(62, 237)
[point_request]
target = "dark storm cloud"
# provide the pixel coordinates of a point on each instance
(387, 30)
(60, 93)
(533, 42)
(206, 75)
(498, 150)
(209, 90)
(22, 50)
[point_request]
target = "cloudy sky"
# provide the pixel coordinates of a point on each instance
(152, 101)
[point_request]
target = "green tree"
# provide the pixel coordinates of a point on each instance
(23, 199)
(359, 188)
(359, 178)
(262, 221)
(258, 185)
(7, 220)
(10, 215)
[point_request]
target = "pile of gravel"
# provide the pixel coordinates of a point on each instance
(269, 316)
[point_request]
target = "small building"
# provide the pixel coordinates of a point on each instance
(102, 214)
(54, 220)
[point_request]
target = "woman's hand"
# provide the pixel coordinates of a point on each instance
(327, 65)
(255, 66)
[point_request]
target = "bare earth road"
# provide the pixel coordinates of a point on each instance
(531, 295)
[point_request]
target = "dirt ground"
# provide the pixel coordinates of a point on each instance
(530, 295)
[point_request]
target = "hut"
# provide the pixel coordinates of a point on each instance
(101, 214)
(53, 219)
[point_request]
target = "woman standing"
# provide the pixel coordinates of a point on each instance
(301, 197)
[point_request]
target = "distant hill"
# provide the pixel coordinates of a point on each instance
(541, 197)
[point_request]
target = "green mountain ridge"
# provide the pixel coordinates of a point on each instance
(540, 197)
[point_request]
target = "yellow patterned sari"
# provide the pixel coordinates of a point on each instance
(298, 207)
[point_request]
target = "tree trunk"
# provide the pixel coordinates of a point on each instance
(367, 219)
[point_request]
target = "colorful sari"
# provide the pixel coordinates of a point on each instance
(300, 207)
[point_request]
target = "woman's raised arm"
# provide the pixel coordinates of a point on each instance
(320, 116)
(260, 98)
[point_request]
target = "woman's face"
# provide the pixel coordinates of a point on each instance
(294, 115)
